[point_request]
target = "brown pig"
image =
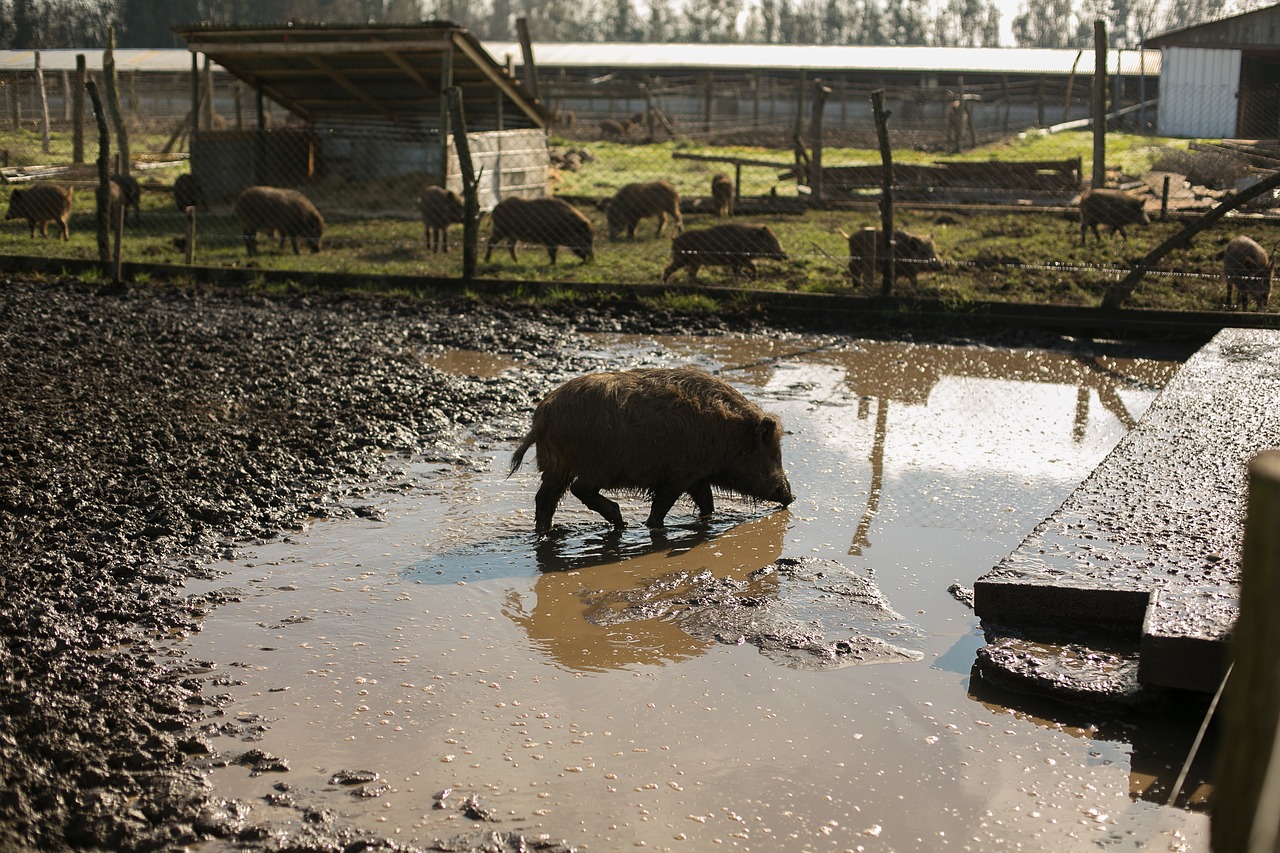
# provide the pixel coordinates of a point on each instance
(1116, 208)
(552, 222)
(130, 196)
(665, 432)
(187, 192)
(722, 194)
(40, 204)
(1247, 268)
(439, 208)
(911, 254)
(734, 246)
(636, 201)
(273, 209)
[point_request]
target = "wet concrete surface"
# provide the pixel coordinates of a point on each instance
(265, 587)
(1148, 547)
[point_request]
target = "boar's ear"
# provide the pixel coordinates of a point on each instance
(768, 431)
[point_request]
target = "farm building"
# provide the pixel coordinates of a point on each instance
(1222, 78)
(369, 105)
(736, 91)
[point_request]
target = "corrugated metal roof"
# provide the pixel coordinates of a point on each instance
(1259, 28)
(977, 60)
(960, 60)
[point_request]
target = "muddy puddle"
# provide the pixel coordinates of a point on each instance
(577, 687)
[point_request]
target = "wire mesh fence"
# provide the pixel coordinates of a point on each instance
(756, 181)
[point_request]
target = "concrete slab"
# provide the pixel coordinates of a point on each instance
(1148, 547)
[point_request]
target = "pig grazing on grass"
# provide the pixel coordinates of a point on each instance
(1112, 207)
(549, 221)
(439, 208)
(911, 254)
(130, 196)
(40, 204)
(1247, 268)
(187, 192)
(722, 194)
(272, 209)
(734, 246)
(636, 201)
(664, 432)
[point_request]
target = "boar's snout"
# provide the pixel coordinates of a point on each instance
(783, 494)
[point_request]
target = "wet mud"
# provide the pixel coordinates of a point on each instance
(152, 436)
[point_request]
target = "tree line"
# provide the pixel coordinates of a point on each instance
(35, 24)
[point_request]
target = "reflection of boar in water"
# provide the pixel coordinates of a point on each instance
(288, 212)
(40, 204)
(1116, 208)
(439, 208)
(187, 192)
(636, 201)
(732, 246)
(552, 222)
(1247, 268)
(911, 253)
(722, 194)
(666, 432)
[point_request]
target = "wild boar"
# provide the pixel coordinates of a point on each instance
(636, 201)
(187, 192)
(115, 202)
(661, 431)
(734, 246)
(439, 208)
(552, 222)
(722, 194)
(130, 195)
(40, 204)
(1247, 268)
(273, 209)
(911, 254)
(1113, 207)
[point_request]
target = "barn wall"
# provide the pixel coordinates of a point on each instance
(509, 163)
(1198, 92)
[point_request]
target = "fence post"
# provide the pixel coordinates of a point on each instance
(111, 79)
(470, 195)
(191, 234)
(1099, 104)
(44, 105)
(815, 161)
(1246, 800)
(104, 157)
(886, 196)
(77, 112)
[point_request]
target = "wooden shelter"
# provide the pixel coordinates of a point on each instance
(367, 103)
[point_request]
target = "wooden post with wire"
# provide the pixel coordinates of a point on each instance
(1246, 799)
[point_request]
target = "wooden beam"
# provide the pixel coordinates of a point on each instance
(341, 79)
(302, 48)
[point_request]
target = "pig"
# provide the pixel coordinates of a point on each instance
(636, 201)
(439, 207)
(115, 202)
(732, 246)
(552, 222)
(911, 254)
(130, 196)
(664, 432)
(40, 204)
(722, 194)
(273, 209)
(614, 128)
(1247, 268)
(187, 192)
(1113, 207)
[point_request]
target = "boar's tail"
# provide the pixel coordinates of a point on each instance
(518, 456)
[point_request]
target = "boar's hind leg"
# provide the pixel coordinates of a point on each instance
(549, 494)
(701, 494)
(592, 498)
(663, 500)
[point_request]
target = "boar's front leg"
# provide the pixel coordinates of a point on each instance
(701, 494)
(591, 497)
(663, 500)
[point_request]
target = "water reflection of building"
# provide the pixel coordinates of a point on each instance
(586, 616)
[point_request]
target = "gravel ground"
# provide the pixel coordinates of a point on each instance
(146, 430)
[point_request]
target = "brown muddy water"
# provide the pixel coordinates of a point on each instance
(442, 646)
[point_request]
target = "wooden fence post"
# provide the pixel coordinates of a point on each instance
(104, 158)
(470, 192)
(886, 197)
(1246, 801)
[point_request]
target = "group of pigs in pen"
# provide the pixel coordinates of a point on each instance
(553, 223)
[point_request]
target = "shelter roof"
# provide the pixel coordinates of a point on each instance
(392, 73)
(1259, 28)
